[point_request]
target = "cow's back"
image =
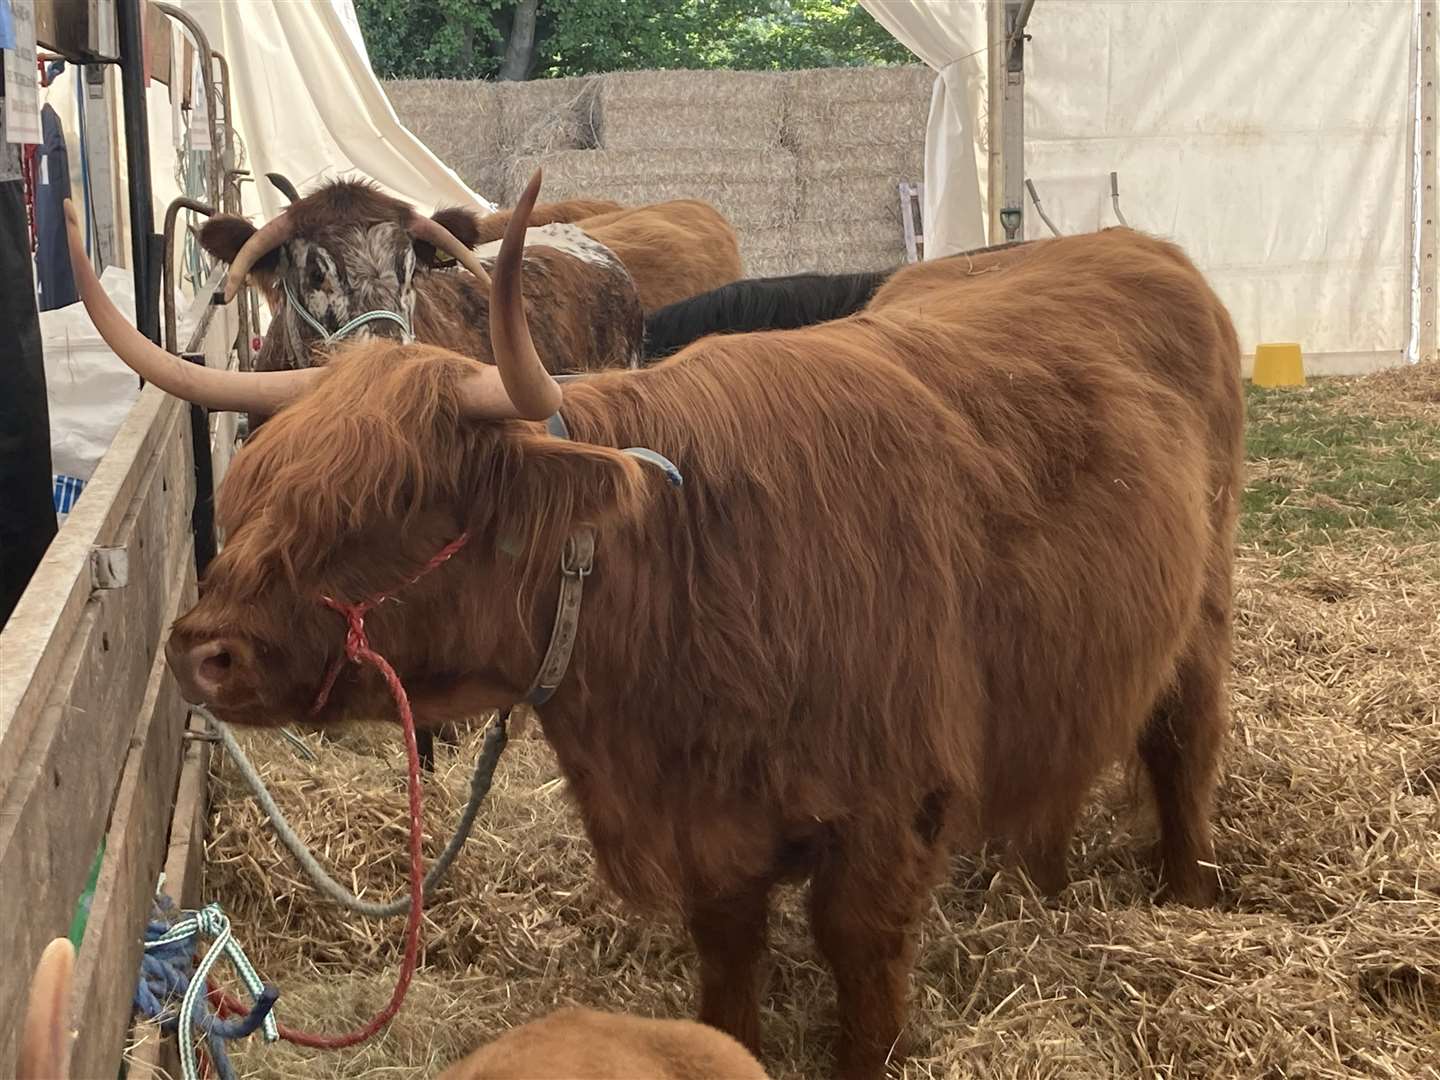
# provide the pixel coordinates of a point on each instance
(970, 528)
(673, 250)
(584, 313)
(1109, 371)
(582, 1044)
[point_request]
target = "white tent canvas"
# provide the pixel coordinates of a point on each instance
(1274, 142)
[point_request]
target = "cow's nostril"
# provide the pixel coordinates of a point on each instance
(214, 669)
(206, 672)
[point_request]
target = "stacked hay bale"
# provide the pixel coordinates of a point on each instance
(858, 133)
(805, 165)
(711, 135)
(459, 120)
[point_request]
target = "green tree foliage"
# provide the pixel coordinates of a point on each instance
(465, 39)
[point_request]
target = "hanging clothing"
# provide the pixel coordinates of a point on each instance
(56, 284)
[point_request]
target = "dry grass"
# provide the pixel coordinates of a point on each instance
(1323, 959)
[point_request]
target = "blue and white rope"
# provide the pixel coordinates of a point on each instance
(212, 923)
(379, 315)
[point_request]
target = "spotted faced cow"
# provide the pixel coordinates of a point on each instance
(348, 261)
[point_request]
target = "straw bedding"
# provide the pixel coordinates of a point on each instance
(1323, 959)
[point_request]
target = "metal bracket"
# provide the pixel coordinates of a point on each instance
(109, 567)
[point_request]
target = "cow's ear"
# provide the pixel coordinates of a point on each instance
(462, 224)
(225, 234)
(567, 484)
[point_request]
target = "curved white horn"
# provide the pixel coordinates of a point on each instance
(266, 239)
(46, 1037)
(534, 390)
(231, 391)
(432, 232)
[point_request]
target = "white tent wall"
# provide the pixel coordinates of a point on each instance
(949, 38)
(308, 105)
(1271, 140)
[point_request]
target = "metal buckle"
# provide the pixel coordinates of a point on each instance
(578, 558)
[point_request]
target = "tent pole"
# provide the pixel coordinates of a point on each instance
(995, 93)
(1012, 118)
(1429, 343)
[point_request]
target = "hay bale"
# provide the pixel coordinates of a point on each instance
(752, 189)
(769, 252)
(859, 107)
(849, 184)
(713, 110)
(459, 120)
(545, 115)
(848, 246)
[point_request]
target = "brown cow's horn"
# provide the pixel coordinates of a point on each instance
(233, 391)
(267, 239)
(534, 390)
(435, 234)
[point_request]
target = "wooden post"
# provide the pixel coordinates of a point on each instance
(1429, 343)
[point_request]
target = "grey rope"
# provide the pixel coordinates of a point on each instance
(495, 739)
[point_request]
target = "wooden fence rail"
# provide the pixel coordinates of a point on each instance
(91, 723)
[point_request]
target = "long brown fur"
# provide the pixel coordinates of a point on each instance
(582, 1044)
(933, 567)
(492, 226)
(673, 250)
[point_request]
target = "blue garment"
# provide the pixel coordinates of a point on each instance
(7, 26)
(52, 187)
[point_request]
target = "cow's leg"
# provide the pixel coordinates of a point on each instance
(1044, 853)
(1180, 747)
(425, 743)
(729, 935)
(866, 898)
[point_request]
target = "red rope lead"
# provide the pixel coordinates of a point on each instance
(358, 650)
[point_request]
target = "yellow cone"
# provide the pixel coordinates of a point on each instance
(1278, 363)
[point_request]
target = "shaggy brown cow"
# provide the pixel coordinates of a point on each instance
(672, 249)
(492, 226)
(933, 567)
(582, 1044)
(348, 248)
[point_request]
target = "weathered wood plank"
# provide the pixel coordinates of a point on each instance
(186, 858)
(155, 1056)
(86, 688)
(109, 957)
(34, 642)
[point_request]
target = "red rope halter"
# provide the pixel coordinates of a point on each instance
(358, 651)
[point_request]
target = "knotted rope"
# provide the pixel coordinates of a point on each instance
(166, 973)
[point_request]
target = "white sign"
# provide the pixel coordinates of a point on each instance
(22, 77)
(177, 76)
(199, 113)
